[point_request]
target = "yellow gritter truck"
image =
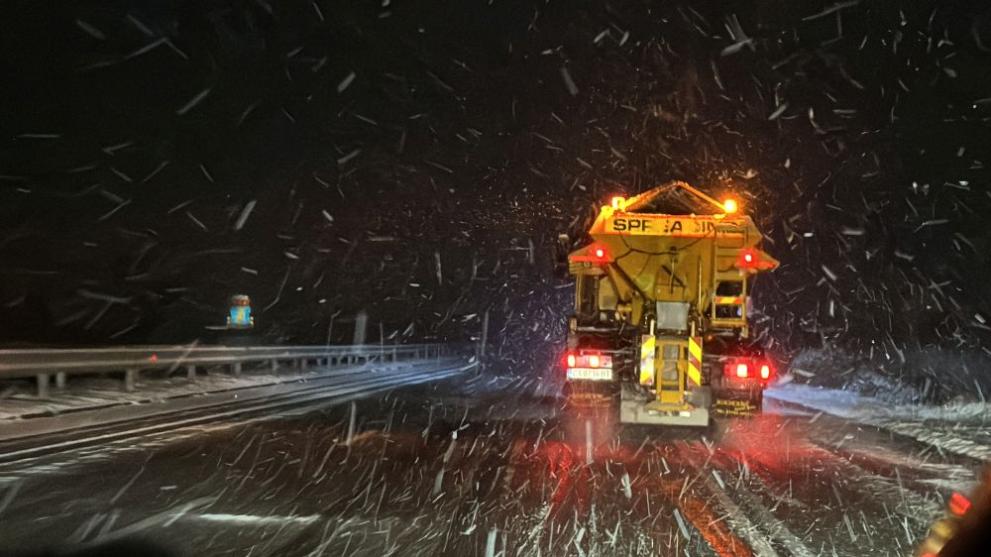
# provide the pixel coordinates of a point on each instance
(661, 314)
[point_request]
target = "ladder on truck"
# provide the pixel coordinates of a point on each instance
(729, 310)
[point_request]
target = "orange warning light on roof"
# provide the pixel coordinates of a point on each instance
(730, 206)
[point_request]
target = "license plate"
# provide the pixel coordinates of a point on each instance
(589, 374)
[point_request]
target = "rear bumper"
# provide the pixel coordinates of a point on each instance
(637, 407)
(636, 412)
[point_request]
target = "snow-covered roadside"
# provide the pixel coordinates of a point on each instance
(19, 402)
(963, 428)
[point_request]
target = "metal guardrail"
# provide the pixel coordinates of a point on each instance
(43, 364)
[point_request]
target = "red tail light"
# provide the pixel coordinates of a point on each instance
(588, 359)
(741, 370)
(748, 368)
(959, 504)
(600, 253)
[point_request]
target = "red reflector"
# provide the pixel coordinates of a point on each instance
(571, 360)
(748, 259)
(153, 357)
(959, 504)
(765, 371)
(600, 253)
(741, 370)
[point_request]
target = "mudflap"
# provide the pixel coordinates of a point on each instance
(733, 403)
(635, 408)
(590, 393)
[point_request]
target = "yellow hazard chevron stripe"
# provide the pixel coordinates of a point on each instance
(694, 374)
(648, 348)
(694, 366)
(695, 348)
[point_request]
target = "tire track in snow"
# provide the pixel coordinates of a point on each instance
(739, 520)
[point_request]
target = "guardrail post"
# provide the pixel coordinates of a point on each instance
(59, 380)
(236, 369)
(275, 366)
(130, 378)
(191, 372)
(42, 385)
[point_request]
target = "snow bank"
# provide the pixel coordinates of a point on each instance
(853, 405)
(958, 427)
(926, 375)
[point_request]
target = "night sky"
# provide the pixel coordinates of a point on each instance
(417, 159)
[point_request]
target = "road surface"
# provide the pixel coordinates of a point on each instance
(482, 466)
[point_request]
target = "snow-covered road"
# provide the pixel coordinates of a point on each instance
(488, 466)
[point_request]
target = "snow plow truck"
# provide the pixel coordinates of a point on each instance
(662, 307)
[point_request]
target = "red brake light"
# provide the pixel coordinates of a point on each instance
(765, 371)
(600, 253)
(741, 370)
(571, 360)
(959, 504)
(593, 360)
